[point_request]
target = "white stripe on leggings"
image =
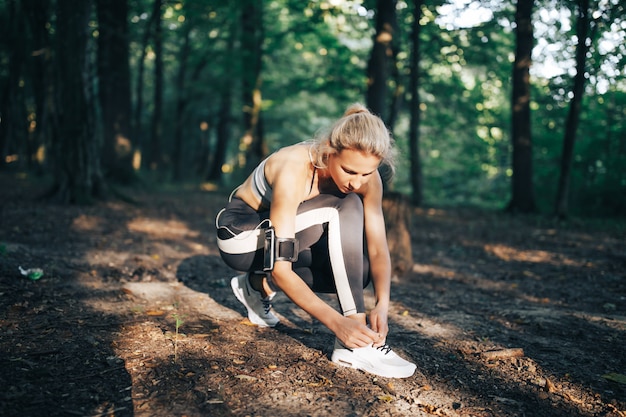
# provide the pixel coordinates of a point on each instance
(252, 240)
(331, 215)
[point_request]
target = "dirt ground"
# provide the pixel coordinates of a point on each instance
(133, 316)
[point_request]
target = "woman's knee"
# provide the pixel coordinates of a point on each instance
(351, 204)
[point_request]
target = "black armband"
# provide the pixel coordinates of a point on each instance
(278, 249)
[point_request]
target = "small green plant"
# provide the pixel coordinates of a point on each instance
(179, 322)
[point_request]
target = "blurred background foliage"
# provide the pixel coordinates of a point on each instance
(314, 57)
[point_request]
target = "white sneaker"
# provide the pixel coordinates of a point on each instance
(380, 361)
(259, 309)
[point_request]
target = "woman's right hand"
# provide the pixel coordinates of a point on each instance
(353, 334)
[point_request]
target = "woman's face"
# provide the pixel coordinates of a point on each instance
(351, 169)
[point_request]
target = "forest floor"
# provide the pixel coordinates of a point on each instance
(133, 316)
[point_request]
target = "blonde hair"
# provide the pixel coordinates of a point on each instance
(357, 129)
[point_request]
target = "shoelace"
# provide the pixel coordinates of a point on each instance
(384, 348)
(267, 304)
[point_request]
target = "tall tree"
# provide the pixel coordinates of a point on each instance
(224, 116)
(415, 113)
(381, 58)
(138, 109)
(181, 103)
(12, 114)
(252, 35)
(77, 174)
(114, 91)
(522, 199)
(156, 126)
(573, 117)
(38, 15)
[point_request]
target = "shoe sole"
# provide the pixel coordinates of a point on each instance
(348, 362)
(238, 291)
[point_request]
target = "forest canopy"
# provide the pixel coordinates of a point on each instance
(98, 92)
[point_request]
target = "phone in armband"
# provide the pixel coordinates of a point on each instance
(269, 250)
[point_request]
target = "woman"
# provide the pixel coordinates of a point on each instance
(309, 219)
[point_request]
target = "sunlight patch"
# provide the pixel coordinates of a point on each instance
(161, 228)
(425, 326)
(434, 270)
(508, 254)
(87, 223)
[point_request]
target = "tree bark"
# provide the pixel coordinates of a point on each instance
(77, 172)
(573, 116)
(13, 123)
(137, 125)
(398, 219)
(252, 55)
(378, 67)
(224, 119)
(222, 134)
(114, 91)
(522, 199)
(156, 127)
(181, 102)
(414, 128)
(38, 15)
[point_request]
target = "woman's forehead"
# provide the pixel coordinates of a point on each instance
(358, 161)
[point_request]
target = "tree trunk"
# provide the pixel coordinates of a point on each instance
(77, 171)
(137, 125)
(522, 199)
(224, 119)
(223, 134)
(114, 91)
(573, 116)
(13, 117)
(414, 128)
(181, 102)
(156, 127)
(378, 67)
(37, 12)
(252, 54)
(398, 218)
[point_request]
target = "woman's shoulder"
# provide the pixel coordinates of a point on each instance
(292, 159)
(290, 154)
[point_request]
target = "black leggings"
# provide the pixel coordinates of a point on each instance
(329, 228)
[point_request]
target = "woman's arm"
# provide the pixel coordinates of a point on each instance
(378, 252)
(287, 177)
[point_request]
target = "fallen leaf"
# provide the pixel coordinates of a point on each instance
(215, 402)
(155, 312)
(615, 377)
(246, 377)
(385, 398)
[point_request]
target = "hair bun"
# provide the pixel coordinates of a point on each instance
(356, 108)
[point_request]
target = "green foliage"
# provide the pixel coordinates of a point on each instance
(315, 55)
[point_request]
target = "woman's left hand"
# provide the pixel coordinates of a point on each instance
(378, 323)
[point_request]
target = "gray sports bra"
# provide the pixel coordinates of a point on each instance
(262, 189)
